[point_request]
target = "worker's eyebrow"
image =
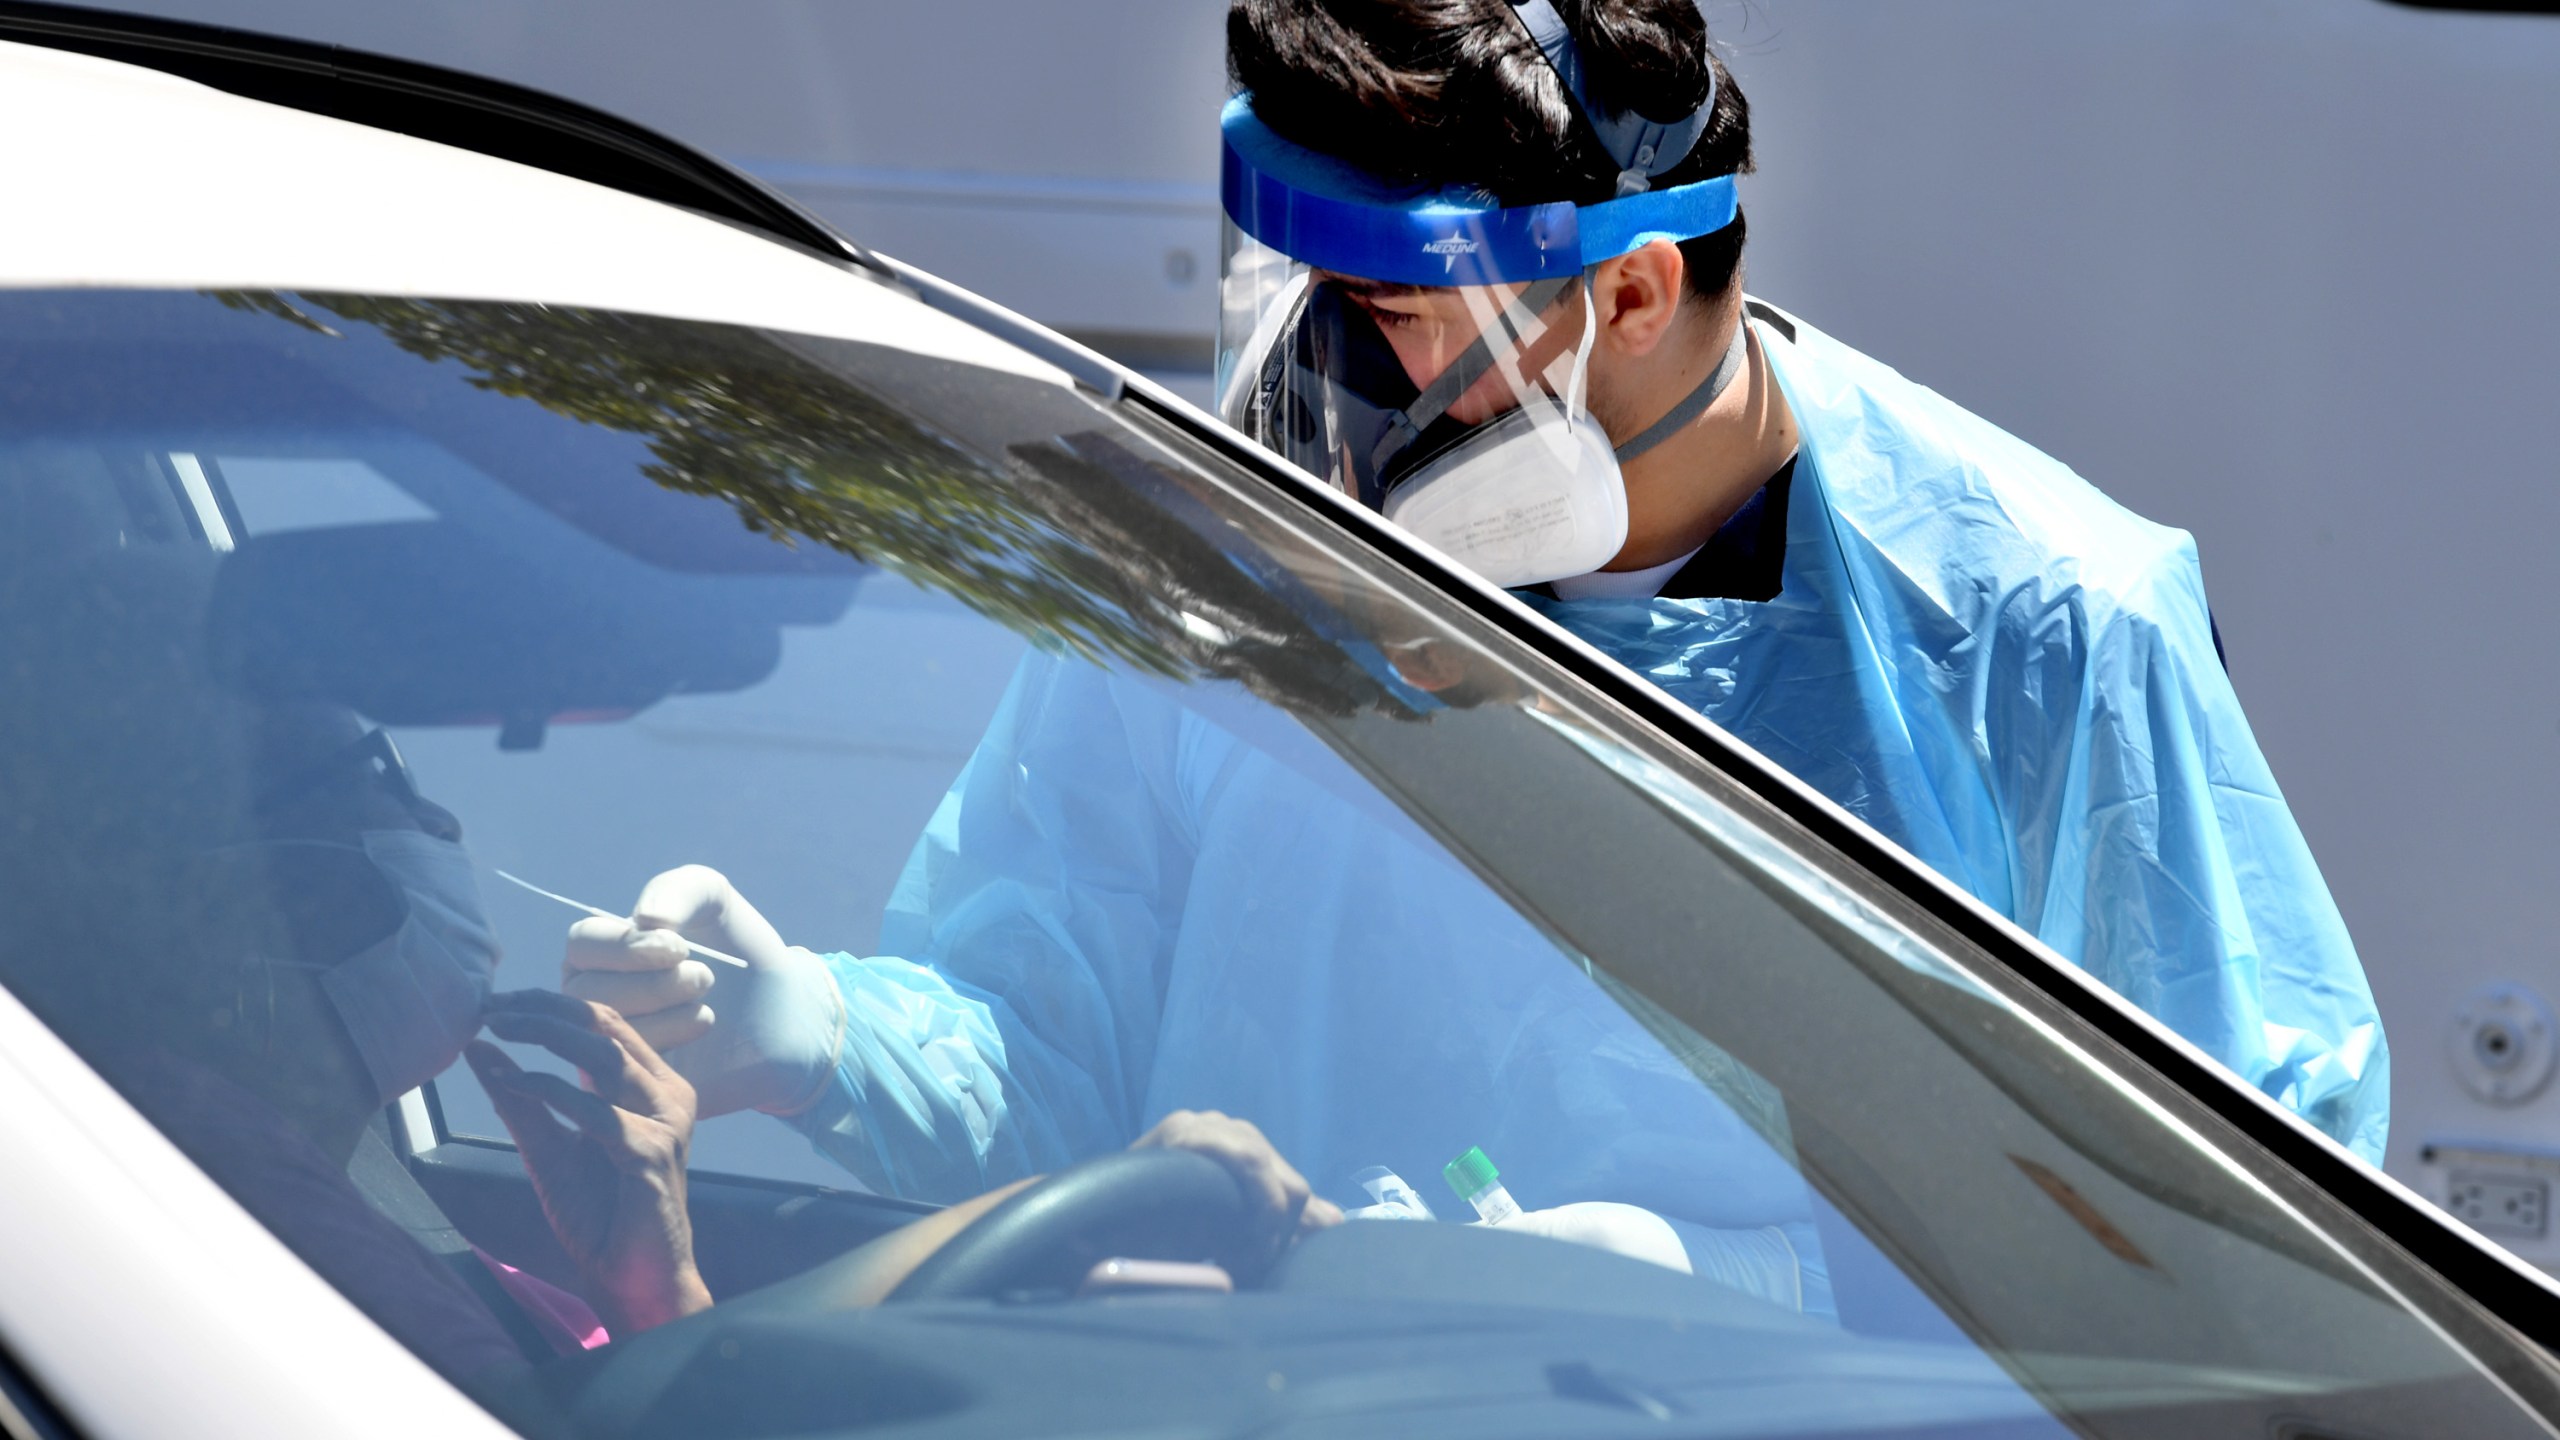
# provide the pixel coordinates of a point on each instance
(1370, 289)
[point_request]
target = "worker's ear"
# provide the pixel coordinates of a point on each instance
(1637, 295)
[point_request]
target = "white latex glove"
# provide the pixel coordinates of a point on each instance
(762, 1038)
(1627, 1230)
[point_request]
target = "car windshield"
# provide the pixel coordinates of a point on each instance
(1087, 779)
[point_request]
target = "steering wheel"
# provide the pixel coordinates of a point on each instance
(1142, 1204)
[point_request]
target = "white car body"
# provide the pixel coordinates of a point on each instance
(143, 1299)
(212, 191)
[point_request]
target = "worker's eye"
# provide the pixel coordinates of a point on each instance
(1387, 319)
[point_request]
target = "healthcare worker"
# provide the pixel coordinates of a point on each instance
(1483, 274)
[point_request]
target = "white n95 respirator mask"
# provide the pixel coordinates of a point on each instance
(1491, 454)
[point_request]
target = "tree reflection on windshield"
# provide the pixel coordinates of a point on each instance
(1057, 540)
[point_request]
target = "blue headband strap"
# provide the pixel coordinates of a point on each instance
(1642, 148)
(1323, 212)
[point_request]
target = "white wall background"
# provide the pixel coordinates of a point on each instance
(1057, 157)
(2277, 271)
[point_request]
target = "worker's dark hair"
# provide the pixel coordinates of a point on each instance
(1455, 92)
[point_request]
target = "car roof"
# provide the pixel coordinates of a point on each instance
(126, 176)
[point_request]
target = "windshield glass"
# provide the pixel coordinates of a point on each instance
(1021, 777)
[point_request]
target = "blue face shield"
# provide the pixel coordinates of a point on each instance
(1426, 350)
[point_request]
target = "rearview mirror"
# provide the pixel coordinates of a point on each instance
(426, 623)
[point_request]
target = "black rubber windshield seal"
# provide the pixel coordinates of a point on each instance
(2483, 7)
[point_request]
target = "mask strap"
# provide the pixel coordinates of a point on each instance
(1472, 364)
(1578, 400)
(1697, 400)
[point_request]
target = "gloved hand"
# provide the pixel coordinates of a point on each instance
(762, 1038)
(1627, 1230)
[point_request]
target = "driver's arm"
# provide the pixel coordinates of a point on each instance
(867, 1275)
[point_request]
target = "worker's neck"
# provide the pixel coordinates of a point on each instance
(1680, 491)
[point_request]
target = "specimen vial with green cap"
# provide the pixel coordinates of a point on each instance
(1480, 1185)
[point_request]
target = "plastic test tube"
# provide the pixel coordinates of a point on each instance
(1480, 1185)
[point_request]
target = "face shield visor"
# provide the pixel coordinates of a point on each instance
(1427, 352)
(1460, 412)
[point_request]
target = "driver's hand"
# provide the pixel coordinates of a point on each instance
(762, 1038)
(1290, 1206)
(607, 1160)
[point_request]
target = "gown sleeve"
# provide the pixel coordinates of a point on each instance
(2167, 862)
(1013, 1026)
(1009, 1028)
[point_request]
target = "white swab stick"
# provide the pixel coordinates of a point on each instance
(705, 951)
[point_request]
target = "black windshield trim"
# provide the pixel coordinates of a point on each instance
(25, 1409)
(2483, 7)
(429, 102)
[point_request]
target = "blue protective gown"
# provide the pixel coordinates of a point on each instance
(2014, 678)
(1121, 908)
(1141, 897)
